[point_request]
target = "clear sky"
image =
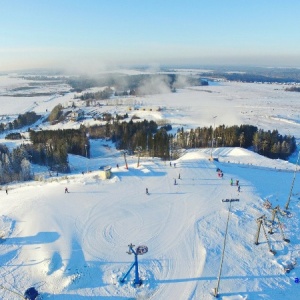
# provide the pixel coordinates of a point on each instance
(90, 34)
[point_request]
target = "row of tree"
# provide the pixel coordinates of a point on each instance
(100, 95)
(15, 165)
(145, 134)
(292, 89)
(22, 120)
(51, 148)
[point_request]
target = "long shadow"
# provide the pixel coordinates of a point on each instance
(83, 273)
(39, 238)
(89, 192)
(139, 173)
(181, 193)
(78, 297)
(251, 295)
(215, 278)
(5, 258)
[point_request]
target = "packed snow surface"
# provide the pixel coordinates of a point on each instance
(74, 245)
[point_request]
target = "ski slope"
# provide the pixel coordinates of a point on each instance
(73, 246)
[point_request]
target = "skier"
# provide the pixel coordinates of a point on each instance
(174, 165)
(170, 164)
(237, 182)
(231, 181)
(179, 176)
(66, 190)
(175, 182)
(147, 193)
(6, 190)
(239, 188)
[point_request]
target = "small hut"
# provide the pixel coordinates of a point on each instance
(105, 172)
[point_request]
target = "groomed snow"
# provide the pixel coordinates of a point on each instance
(73, 245)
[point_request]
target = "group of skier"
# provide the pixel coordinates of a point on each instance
(220, 173)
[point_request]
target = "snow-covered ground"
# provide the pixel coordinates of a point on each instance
(73, 245)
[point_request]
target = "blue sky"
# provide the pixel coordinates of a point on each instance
(92, 34)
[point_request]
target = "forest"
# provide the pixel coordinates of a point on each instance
(51, 147)
(136, 83)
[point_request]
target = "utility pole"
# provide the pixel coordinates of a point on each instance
(153, 146)
(87, 169)
(139, 149)
(124, 153)
(216, 290)
(212, 138)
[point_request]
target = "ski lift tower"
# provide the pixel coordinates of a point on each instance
(140, 250)
(124, 153)
(139, 150)
(212, 138)
(216, 289)
(291, 190)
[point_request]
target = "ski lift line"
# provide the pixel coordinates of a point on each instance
(223, 252)
(293, 182)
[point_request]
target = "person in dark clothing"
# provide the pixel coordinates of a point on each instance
(147, 191)
(66, 190)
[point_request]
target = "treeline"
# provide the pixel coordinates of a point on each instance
(101, 95)
(245, 77)
(255, 74)
(268, 143)
(15, 165)
(26, 119)
(157, 142)
(130, 135)
(134, 83)
(292, 89)
(51, 147)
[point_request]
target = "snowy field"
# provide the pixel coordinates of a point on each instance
(73, 245)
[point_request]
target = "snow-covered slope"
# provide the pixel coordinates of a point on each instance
(73, 246)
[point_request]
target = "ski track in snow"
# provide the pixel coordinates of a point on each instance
(73, 246)
(183, 225)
